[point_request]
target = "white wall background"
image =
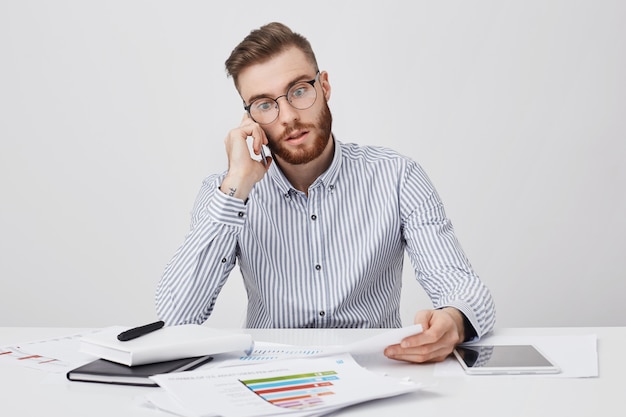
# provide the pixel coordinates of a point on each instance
(112, 113)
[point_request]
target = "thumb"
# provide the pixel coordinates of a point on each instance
(423, 317)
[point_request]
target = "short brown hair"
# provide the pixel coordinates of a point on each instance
(264, 43)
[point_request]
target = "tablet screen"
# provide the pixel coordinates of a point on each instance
(503, 357)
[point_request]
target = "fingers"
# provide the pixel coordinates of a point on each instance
(423, 317)
(238, 145)
(434, 344)
(253, 129)
(419, 354)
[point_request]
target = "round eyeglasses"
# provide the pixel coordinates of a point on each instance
(301, 96)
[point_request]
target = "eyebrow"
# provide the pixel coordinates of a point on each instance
(293, 82)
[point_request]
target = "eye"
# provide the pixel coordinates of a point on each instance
(299, 90)
(263, 105)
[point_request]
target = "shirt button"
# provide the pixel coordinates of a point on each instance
(223, 260)
(313, 217)
(240, 214)
(318, 267)
(322, 313)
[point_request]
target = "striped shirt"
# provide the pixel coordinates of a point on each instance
(333, 258)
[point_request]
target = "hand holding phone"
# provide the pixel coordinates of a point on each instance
(244, 169)
(264, 152)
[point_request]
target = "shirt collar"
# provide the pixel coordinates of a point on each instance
(328, 177)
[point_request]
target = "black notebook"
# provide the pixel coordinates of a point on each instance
(105, 371)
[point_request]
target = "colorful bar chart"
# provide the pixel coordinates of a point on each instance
(294, 391)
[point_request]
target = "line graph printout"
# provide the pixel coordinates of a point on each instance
(268, 352)
(265, 351)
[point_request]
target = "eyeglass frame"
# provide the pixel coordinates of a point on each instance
(275, 100)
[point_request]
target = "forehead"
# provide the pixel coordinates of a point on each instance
(272, 77)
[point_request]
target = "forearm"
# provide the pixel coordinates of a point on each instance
(448, 279)
(442, 268)
(194, 276)
(192, 279)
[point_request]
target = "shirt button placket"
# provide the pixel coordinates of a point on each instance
(313, 205)
(315, 235)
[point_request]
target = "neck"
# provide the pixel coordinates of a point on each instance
(301, 176)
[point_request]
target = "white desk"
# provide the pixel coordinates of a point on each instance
(29, 392)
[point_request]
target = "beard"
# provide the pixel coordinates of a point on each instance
(304, 153)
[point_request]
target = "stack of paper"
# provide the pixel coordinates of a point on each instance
(294, 387)
(274, 380)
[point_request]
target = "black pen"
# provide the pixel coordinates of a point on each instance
(140, 331)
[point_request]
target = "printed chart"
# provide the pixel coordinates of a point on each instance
(56, 355)
(294, 391)
(297, 387)
(20, 355)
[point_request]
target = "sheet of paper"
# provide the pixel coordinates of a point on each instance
(379, 342)
(162, 401)
(300, 387)
(55, 355)
(576, 355)
(266, 351)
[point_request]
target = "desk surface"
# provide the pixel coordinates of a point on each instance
(30, 392)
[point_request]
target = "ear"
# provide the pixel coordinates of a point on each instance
(325, 84)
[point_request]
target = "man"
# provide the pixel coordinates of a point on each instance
(319, 228)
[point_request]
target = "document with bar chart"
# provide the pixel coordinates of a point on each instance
(297, 391)
(297, 387)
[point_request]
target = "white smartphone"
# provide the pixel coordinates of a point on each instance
(504, 360)
(265, 151)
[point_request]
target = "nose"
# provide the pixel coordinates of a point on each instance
(286, 112)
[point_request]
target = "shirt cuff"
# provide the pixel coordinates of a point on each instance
(228, 210)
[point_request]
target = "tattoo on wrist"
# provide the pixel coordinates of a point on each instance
(231, 191)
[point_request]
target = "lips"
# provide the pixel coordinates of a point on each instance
(295, 135)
